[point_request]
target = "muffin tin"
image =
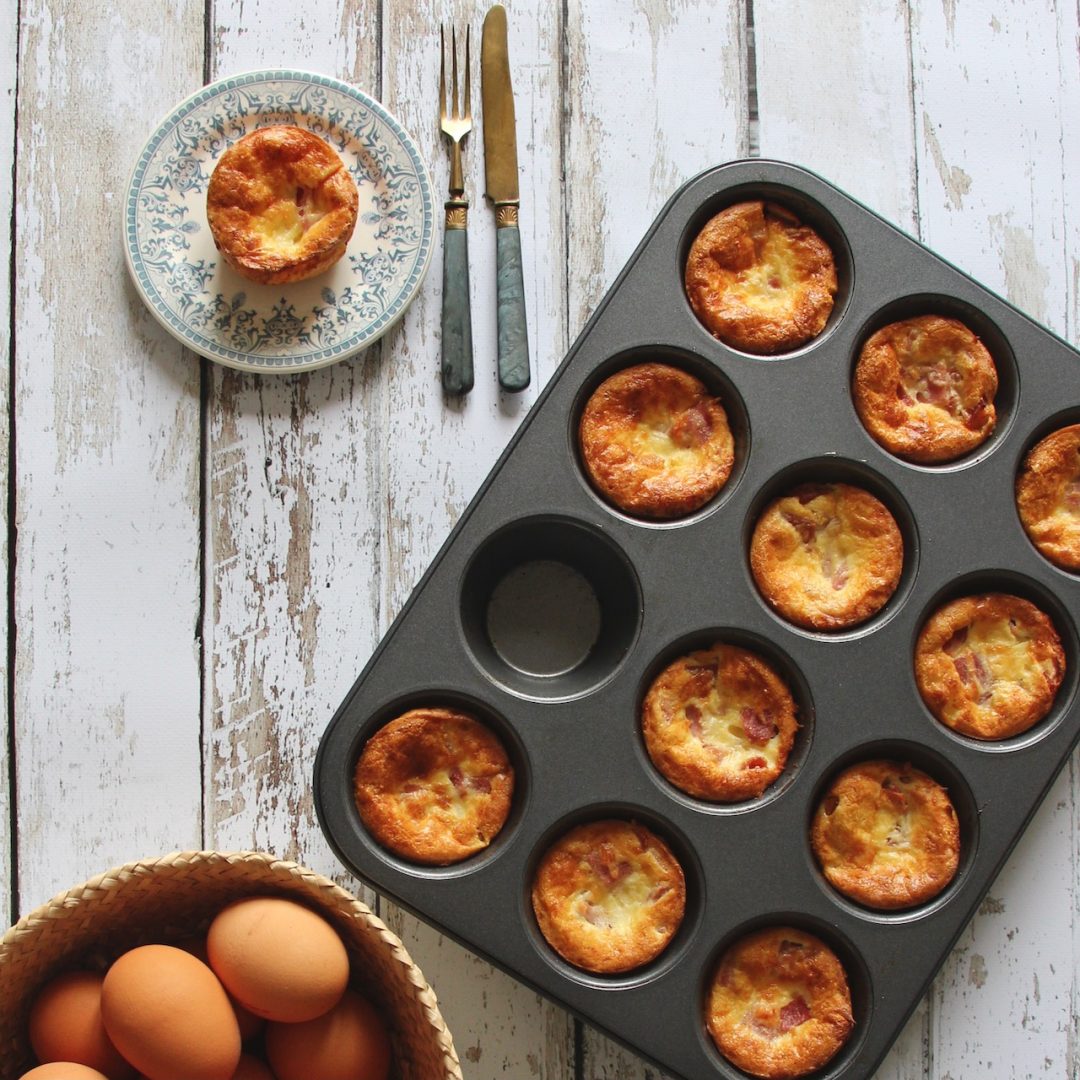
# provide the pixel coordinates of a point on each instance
(590, 604)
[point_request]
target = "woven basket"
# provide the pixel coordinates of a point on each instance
(176, 896)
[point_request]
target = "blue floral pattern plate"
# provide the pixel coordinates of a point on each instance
(216, 312)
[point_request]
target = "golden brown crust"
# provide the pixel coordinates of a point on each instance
(989, 666)
(281, 205)
(827, 556)
(760, 280)
(886, 835)
(779, 1005)
(924, 388)
(434, 786)
(609, 896)
(1048, 496)
(654, 442)
(719, 723)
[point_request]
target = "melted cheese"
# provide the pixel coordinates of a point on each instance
(768, 283)
(1007, 652)
(619, 904)
(722, 727)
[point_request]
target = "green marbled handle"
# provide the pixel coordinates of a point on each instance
(513, 333)
(457, 358)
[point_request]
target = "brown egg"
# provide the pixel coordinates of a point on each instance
(278, 958)
(251, 1068)
(65, 1025)
(250, 1024)
(348, 1043)
(169, 1016)
(63, 1070)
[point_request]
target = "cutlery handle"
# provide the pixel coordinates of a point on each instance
(457, 354)
(513, 332)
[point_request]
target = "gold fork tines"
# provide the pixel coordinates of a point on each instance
(457, 122)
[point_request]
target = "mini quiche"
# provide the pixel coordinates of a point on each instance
(719, 723)
(924, 388)
(779, 1004)
(281, 205)
(1048, 497)
(434, 786)
(989, 666)
(654, 442)
(609, 896)
(759, 279)
(826, 556)
(886, 835)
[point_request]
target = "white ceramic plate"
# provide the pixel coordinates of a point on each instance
(212, 309)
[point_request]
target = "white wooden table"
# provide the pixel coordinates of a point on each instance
(200, 562)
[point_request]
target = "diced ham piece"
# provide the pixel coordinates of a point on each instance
(692, 428)
(693, 716)
(759, 728)
(903, 395)
(977, 417)
(596, 916)
(602, 868)
(794, 1013)
(457, 778)
(755, 763)
(480, 783)
(807, 530)
(1072, 496)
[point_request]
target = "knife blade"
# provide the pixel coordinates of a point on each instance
(501, 172)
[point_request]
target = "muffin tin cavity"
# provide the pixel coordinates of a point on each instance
(987, 331)
(1046, 484)
(550, 612)
(807, 211)
(717, 385)
(860, 988)
(676, 949)
(792, 679)
(550, 607)
(808, 476)
(1009, 583)
(939, 769)
(495, 724)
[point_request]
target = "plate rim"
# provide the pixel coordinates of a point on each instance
(252, 361)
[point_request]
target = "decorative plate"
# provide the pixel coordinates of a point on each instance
(212, 309)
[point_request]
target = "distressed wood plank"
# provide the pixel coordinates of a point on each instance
(8, 52)
(107, 414)
(637, 129)
(437, 451)
(991, 111)
(835, 95)
(293, 516)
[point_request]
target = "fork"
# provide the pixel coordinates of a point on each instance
(456, 122)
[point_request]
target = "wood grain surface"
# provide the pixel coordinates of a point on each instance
(201, 561)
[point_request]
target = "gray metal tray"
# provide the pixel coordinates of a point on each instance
(664, 588)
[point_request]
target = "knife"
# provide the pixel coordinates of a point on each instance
(500, 165)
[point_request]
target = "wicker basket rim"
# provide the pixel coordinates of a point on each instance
(64, 903)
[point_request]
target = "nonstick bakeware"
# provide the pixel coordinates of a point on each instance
(547, 614)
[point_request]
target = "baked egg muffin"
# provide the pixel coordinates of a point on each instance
(759, 279)
(281, 205)
(886, 835)
(1048, 496)
(779, 1005)
(719, 723)
(924, 388)
(826, 556)
(609, 896)
(989, 666)
(654, 441)
(434, 786)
